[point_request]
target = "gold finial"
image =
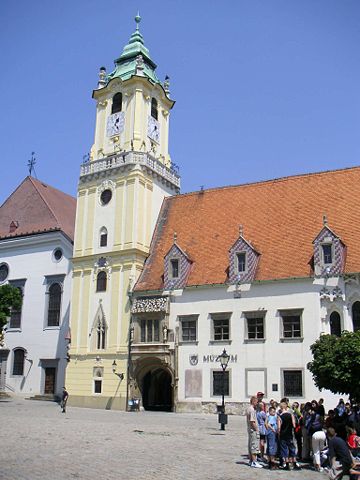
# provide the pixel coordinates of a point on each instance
(175, 237)
(325, 220)
(241, 230)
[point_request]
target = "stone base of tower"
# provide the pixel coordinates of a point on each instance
(95, 381)
(103, 403)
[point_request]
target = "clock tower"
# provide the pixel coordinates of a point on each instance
(121, 189)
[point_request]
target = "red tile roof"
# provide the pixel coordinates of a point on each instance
(35, 207)
(280, 218)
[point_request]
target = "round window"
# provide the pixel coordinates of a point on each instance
(58, 254)
(4, 272)
(105, 197)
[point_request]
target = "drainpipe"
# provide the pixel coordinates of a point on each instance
(130, 334)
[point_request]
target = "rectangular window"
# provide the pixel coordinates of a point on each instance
(291, 325)
(241, 262)
(174, 268)
(97, 386)
(188, 328)
(293, 386)
(221, 383)
(221, 328)
(15, 317)
(255, 328)
(150, 331)
(327, 254)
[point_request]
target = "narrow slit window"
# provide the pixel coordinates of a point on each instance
(116, 103)
(174, 268)
(154, 108)
(103, 237)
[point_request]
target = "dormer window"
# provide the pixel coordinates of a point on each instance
(154, 108)
(174, 263)
(116, 103)
(241, 262)
(327, 254)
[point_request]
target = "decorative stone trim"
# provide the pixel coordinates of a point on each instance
(150, 304)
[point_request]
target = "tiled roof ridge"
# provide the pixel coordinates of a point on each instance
(43, 198)
(262, 182)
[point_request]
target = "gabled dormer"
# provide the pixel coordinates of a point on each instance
(243, 260)
(329, 252)
(177, 266)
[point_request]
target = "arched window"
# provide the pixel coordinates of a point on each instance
(18, 364)
(335, 324)
(154, 108)
(101, 282)
(103, 237)
(101, 334)
(53, 319)
(116, 103)
(356, 316)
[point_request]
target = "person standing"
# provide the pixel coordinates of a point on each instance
(64, 399)
(286, 427)
(253, 433)
(271, 440)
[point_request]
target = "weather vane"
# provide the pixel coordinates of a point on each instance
(31, 163)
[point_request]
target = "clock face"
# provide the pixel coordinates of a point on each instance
(115, 124)
(153, 129)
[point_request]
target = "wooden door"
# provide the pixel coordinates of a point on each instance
(50, 374)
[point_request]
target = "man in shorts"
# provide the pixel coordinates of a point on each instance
(253, 433)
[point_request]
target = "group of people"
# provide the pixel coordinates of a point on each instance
(281, 435)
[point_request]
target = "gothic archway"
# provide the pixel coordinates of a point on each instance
(157, 392)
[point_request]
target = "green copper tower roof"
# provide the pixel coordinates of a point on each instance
(135, 59)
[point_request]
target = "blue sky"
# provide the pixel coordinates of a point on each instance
(263, 88)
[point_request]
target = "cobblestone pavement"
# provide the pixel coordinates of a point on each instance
(39, 442)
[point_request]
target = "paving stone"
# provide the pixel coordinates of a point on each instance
(39, 442)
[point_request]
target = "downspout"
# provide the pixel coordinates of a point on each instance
(130, 332)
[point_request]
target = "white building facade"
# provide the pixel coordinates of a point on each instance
(33, 354)
(206, 288)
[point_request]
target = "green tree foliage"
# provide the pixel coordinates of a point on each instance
(336, 364)
(10, 297)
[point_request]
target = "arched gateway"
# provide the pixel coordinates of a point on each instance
(155, 382)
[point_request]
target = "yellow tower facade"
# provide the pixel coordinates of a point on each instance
(120, 192)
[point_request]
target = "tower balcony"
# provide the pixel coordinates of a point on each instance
(121, 160)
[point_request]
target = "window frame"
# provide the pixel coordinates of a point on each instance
(103, 234)
(102, 279)
(115, 105)
(187, 319)
(323, 255)
(49, 300)
(220, 317)
(237, 255)
(340, 323)
(286, 393)
(98, 377)
(20, 284)
(148, 335)
(251, 316)
(14, 363)
(154, 109)
(171, 268)
(219, 372)
(4, 264)
(284, 313)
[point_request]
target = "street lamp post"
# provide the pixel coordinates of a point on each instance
(224, 360)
